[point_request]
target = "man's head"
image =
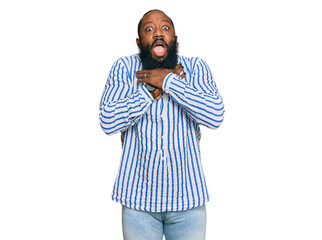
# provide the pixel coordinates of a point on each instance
(157, 40)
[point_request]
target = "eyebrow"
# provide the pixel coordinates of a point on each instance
(165, 20)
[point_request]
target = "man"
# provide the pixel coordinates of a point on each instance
(157, 100)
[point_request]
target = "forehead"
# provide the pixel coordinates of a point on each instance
(155, 17)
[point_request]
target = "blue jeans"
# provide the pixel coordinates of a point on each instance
(183, 225)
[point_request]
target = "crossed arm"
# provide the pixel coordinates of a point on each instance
(120, 108)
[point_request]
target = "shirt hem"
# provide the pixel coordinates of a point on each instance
(157, 209)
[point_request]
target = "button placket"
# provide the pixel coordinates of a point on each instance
(162, 155)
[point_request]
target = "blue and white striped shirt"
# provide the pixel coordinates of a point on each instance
(160, 168)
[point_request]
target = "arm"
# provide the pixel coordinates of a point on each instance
(201, 99)
(120, 108)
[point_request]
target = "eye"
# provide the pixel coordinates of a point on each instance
(165, 28)
(149, 29)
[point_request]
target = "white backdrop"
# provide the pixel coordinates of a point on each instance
(263, 165)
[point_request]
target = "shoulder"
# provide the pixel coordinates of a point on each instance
(127, 61)
(191, 62)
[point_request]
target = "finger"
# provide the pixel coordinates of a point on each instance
(144, 80)
(142, 74)
(176, 67)
(178, 70)
(141, 80)
(143, 71)
(138, 74)
(180, 66)
(182, 75)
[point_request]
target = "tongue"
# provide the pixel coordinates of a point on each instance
(159, 51)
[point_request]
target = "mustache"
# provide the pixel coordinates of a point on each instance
(159, 39)
(148, 62)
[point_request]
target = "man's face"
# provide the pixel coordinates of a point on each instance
(157, 34)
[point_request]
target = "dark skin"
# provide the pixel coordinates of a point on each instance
(156, 25)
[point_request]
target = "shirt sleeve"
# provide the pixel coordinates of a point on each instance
(199, 96)
(120, 107)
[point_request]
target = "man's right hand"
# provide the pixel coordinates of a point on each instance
(155, 77)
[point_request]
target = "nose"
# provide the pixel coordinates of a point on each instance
(158, 33)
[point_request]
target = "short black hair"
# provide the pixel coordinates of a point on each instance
(140, 23)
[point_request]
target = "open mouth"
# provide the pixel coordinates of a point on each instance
(159, 48)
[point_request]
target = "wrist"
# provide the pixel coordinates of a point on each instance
(154, 91)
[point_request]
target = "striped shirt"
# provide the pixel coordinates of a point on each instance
(160, 168)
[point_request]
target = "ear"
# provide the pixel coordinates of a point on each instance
(138, 41)
(175, 37)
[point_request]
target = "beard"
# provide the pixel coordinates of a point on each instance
(148, 62)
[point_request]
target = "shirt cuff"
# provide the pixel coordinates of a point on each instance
(145, 93)
(172, 81)
(167, 81)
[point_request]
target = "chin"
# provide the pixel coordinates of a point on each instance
(159, 59)
(151, 61)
